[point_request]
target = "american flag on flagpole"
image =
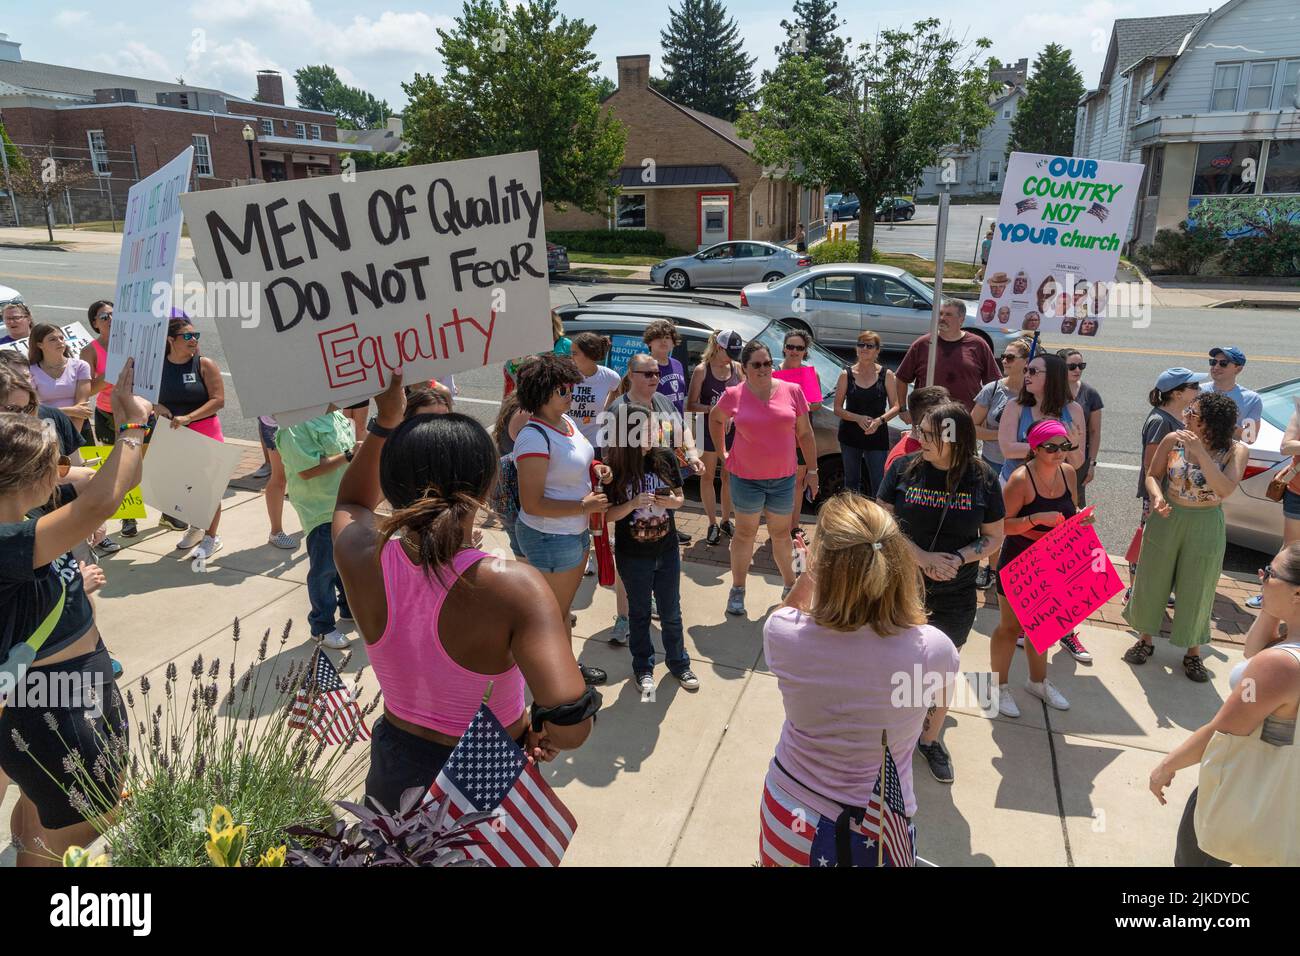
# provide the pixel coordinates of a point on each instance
(488, 771)
(886, 818)
(325, 706)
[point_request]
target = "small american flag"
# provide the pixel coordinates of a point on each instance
(886, 820)
(1098, 210)
(325, 706)
(488, 771)
(1025, 205)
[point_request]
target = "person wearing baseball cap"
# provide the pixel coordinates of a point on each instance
(1226, 363)
(719, 369)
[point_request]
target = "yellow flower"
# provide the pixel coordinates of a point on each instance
(77, 856)
(273, 856)
(226, 841)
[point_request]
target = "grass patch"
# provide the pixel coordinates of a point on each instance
(107, 225)
(617, 273)
(616, 258)
(924, 268)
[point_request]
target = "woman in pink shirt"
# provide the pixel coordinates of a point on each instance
(771, 416)
(854, 659)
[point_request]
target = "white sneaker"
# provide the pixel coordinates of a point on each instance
(334, 640)
(282, 540)
(190, 538)
(207, 547)
(1048, 694)
(1007, 703)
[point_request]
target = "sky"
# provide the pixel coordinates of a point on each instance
(378, 44)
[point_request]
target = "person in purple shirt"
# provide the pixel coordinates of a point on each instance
(661, 338)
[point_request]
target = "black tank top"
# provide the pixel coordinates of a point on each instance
(711, 388)
(872, 401)
(1063, 503)
(182, 388)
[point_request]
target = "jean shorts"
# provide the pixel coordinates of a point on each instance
(749, 496)
(1291, 505)
(266, 431)
(552, 553)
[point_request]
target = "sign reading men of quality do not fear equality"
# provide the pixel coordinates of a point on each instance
(1056, 243)
(436, 269)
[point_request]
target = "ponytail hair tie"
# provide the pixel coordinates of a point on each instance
(876, 546)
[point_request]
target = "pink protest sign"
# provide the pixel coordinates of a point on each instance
(1059, 581)
(805, 376)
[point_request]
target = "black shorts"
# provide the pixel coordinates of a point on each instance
(951, 611)
(88, 736)
(105, 429)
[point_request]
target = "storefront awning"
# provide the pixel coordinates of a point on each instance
(673, 177)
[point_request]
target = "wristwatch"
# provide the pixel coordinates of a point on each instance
(377, 429)
(349, 453)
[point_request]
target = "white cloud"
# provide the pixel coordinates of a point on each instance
(71, 18)
(231, 66)
(391, 32)
(134, 58)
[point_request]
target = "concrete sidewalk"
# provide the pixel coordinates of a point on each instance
(1055, 788)
(77, 240)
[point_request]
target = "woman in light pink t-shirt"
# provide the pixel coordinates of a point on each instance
(771, 416)
(854, 659)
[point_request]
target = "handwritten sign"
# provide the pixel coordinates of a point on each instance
(437, 268)
(186, 473)
(151, 231)
(805, 376)
(1059, 581)
(1061, 223)
(75, 334)
(132, 505)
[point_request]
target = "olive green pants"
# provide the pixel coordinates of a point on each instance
(1182, 553)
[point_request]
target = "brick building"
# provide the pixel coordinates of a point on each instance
(127, 127)
(689, 175)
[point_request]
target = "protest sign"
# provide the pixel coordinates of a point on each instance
(805, 376)
(1059, 581)
(151, 231)
(185, 473)
(436, 268)
(1056, 244)
(75, 333)
(621, 350)
(132, 505)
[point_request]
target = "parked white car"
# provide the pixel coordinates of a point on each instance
(1252, 520)
(8, 295)
(732, 264)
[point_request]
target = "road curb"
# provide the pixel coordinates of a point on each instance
(32, 246)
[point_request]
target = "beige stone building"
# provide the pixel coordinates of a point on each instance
(690, 176)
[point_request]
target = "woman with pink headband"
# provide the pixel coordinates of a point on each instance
(1039, 495)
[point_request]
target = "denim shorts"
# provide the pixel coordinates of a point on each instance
(1291, 505)
(552, 553)
(266, 432)
(749, 496)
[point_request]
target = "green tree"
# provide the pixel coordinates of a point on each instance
(12, 153)
(314, 84)
(814, 33)
(1044, 123)
(319, 88)
(912, 93)
(605, 88)
(519, 78)
(705, 64)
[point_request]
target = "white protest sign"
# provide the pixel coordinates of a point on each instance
(1061, 223)
(185, 473)
(75, 334)
(151, 230)
(436, 268)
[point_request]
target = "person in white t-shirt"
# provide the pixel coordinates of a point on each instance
(591, 394)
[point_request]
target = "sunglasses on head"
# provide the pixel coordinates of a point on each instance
(1076, 366)
(1053, 448)
(1267, 572)
(1222, 363)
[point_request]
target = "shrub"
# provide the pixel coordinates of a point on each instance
(1180, 252)
(1277, 254)
(637, 241)
(839, 251)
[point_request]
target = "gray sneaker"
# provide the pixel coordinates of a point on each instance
(736, 602)
(620, 633)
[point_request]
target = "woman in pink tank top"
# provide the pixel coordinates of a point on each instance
(100, 315)
(441, 619)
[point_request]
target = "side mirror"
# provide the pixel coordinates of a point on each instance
(921, 304)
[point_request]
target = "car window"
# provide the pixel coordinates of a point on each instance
(691, 351)
(882, 290)
(751, 250)
(725, 251)
(1280, 404)
(837, 287)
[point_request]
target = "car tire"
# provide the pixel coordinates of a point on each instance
(907, 216)
(677, 281)
(773, 276)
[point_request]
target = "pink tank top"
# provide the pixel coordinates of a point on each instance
(103, 400)
(420, 681)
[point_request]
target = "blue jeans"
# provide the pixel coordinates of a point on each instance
(324, 588)
(663, 576)
(860, 463)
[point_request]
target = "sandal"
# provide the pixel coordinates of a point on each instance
(1139, 652)
(1194, 668)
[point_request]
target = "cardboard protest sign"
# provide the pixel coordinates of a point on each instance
(621, 350)
(151, 231)
(1056, 244)
(436, 268)
(75, 333)
(1059, 581)
(805, 376)
(185, 473)
(132, 505)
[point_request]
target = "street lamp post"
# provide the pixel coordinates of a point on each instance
(249, 136)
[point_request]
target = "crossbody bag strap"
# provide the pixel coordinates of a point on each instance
(47, 626)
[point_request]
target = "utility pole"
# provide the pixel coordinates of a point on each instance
(940, 247)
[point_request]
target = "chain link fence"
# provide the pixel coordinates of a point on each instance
(100, 200)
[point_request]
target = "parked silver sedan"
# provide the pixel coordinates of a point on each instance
(837, 301)
(1253, 521)
(731, 264)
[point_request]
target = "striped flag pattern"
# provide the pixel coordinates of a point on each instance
(488, 771)
(886, 818)
(325, 706)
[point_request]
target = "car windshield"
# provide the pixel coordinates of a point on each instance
(827, 365)
(1280, 403)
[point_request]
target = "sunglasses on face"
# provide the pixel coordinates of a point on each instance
(1266, 573)
(796, 348)
(1191, 413)
(1077, 366)
(1222, 363)
(654, 374)
(867, 346)
(1009, 357)
(758, 366)
(19, 409)
(189, 336)
(1031, 372)
(103, 315)
(1053, 448)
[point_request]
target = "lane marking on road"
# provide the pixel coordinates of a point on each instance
(1128, 351)
(73, 279)
(1106, 464)
(66, 308)
(37, 262)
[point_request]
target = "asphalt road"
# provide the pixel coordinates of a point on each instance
(1122, 365)
(918, 235)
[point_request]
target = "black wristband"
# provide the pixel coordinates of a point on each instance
(378, 430)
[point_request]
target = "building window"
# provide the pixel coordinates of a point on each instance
(1290, 81)
(98, 152)
(1282, 175)
(315, 132)
(1156, 170)
(1259, 90)
(1226, 80)
(202, 155)
(300, 130)
(1219, 168)
(268, 127)
(1006, 114)
(629, 211)
(995, 170)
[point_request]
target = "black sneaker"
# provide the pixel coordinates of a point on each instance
(683, 537)
(593, 675)
(167, 521)
(129, 529)
(729, 528)
(984, 578)
(714, 535)
(936, 756)
(688, 679)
